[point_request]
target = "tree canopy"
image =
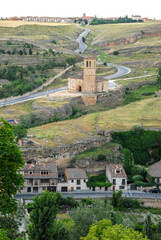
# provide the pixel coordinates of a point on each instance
(10, 162)
(105, 230)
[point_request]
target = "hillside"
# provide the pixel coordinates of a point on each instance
(58, 36)
(145, 112)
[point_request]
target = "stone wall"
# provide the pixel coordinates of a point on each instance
(90, 99)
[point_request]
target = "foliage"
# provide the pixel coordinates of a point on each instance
(11, 225)
(61, 231)
(3, 235)
(101, 157)
(130, 203)
(11, 161)
(148, 227)
(105, 230)
(19, 131)
(117, 200)
(86, 201)
(138, 141)
(83, 217)
(97, 21)
(159, 77)
(98, 181)
(128, 162)
(115, 53)
(42, 217)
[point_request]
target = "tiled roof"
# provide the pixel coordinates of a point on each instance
(76, 173)
(80, 77)
(37, 168)
(116, 170)
(155, 169)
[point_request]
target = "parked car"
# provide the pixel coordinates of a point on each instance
(155, 190)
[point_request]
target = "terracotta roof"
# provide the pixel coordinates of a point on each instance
(76, 173)
(37, 168)
(155, 169)
(116, 170)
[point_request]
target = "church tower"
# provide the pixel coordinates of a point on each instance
(89, 76)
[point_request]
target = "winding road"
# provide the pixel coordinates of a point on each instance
(82, 46)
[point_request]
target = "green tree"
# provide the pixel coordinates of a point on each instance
(30, 51)
(19, 131)
(116, 199)
(42, 217)
(159, 77)
(83, 217)
(147, 230)
(105, 230)
(10, 163)
(3, 235)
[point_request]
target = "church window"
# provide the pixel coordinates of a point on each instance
(86, 63)
(89, 63)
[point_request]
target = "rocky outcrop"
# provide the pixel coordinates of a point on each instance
(63, 154)
(127, 40)
(95, 167)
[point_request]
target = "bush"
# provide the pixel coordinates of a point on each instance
(130, 203)
(115, 53)
(53, 41)
(101, 157)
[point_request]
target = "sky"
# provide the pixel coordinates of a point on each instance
(72, 8)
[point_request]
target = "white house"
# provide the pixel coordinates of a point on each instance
(117, 176)
(74, 179)
(155, 171)
(136, 17)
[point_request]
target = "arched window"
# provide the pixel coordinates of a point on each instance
(86, 63)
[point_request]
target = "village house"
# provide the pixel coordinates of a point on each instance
(39, 177)
(73, 179)
(117, 176)
(136, 17)
(155, 171)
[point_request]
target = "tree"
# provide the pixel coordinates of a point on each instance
(116, 199)
(21, 52)
(105, 230)
(10, 163)
(42, 217)
(148, 227)
(159, 77)
(3, 235)
(83, 217)
(19, 131)
(30, 51)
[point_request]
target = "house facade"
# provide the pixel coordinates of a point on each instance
(39, 177)
(155, 171)
(117, 176)
(74, 179)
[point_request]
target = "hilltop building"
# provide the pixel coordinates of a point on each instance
(136, 17)
(87, 82)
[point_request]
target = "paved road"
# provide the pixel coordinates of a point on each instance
(22, 99)
(92, 194)
(82, 45)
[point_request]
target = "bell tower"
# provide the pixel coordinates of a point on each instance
(89, 76)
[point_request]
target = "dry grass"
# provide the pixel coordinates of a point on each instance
(146, 112)
(25, 108)
(115, 31)
(14, 24)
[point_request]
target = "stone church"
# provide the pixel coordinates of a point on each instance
(87, 82)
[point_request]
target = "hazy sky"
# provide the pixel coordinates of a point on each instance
(71, 8)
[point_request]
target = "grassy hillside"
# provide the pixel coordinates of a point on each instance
(114, 31)
(64, 35)
(145, 112)
(25, 108)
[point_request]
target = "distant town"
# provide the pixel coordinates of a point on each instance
(69, 19)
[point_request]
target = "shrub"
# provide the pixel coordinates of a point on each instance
(115, 53)
(101, 157)
(130, 203)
